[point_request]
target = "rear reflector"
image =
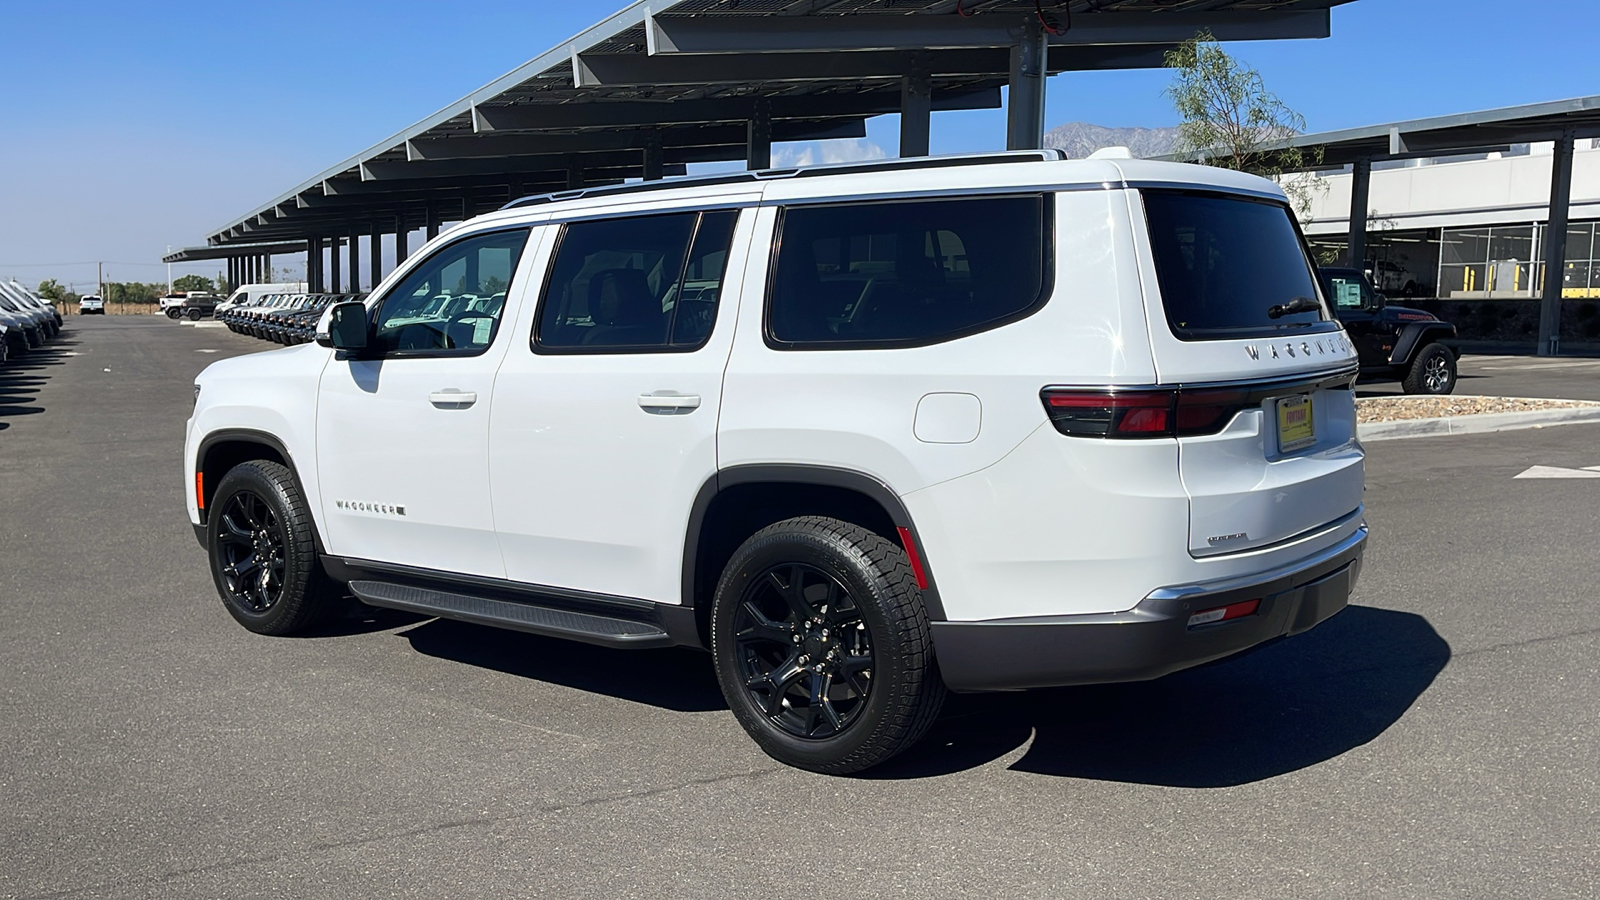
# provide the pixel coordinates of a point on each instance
(913, 558)
(1116, 413)
(1224, 613)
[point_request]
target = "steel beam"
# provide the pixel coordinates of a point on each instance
(526, 145)
(1360, 187)
(638, 70)
(1025, 99)
(684, 35)
(651, 113)
(1555, 245)
(458, 169)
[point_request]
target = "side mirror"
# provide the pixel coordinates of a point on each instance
(344, 327)
(1379, 300)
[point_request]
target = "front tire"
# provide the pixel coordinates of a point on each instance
(822, 646)
(1433, 371)
(174, 313)
(194, 315)
(263, 553)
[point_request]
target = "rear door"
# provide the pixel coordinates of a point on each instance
(605, 410)
(1234, 310)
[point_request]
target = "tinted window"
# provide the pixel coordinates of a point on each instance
(451, 302)
(1347, 289)
(1224, 263)
(643, 283)
(896, 274)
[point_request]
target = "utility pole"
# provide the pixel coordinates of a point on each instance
(100, 279)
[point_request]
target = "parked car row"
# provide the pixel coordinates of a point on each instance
(26, 321)
(283, 318)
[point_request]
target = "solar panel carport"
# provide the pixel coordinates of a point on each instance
(1561, 121)
(665, 83)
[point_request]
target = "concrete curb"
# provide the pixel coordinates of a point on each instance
(1479, 424)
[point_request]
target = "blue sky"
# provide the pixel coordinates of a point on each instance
(126, 128)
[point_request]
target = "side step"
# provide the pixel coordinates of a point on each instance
(589, 628)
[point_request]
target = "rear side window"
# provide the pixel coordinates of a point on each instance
(641, 284)
(907, 273)
(1229, 267)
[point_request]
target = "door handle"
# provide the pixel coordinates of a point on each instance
(668, 404)
(452, 398)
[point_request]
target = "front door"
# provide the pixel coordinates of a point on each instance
(403, 432)
(1355, 305)
(605, 421)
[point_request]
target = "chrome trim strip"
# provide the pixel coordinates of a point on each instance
(1350, 546)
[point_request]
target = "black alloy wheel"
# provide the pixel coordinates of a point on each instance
(250, 546)
(194, 315)
(822, 645)
(263, 552)
(803, 650)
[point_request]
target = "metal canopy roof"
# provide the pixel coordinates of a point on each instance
(1486, 130)
(685, 77)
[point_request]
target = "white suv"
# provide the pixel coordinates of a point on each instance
(863, 432)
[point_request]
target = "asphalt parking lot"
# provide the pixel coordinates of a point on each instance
(1563, 378)
(1440, 738)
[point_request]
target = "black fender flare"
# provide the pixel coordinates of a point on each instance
(251, 436)
(1416, 335)
(826, 476)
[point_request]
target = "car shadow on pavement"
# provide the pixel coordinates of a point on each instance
(1284, 707)
(677, 679)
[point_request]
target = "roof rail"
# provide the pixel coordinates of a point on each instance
(871, 165)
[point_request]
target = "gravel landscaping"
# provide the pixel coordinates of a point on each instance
(1394, 409)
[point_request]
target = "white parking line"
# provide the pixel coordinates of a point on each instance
(1531, 367)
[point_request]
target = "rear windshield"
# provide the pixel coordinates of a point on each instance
(1229, 267)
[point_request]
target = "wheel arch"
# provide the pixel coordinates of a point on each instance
(739, 501)
(221, 450)
(1415, 336)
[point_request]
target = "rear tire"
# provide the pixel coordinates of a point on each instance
(259, 535)
(1433, 371)
(822, 646)
(174, 313)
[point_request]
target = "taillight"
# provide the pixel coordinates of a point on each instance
(1116, 413)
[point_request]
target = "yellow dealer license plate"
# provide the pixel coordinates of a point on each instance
(1296, 427)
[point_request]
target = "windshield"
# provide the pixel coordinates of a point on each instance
(1230, 267)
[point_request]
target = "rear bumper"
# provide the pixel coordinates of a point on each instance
(1152, 639)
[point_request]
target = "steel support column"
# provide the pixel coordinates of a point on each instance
(432, 226)
(574, 175)
(355, 261)
(758, 140)
(654, 158)
(376, 257)
(334, 278)
(1360, 187)
(1025, 100)
(311, 264)
(916, 111)
(1555, 245)
(401, 237)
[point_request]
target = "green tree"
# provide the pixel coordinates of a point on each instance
(56, 292)
(133, 292)
(193, 283)
(1231, 120)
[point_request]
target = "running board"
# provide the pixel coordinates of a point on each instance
(589, 628)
